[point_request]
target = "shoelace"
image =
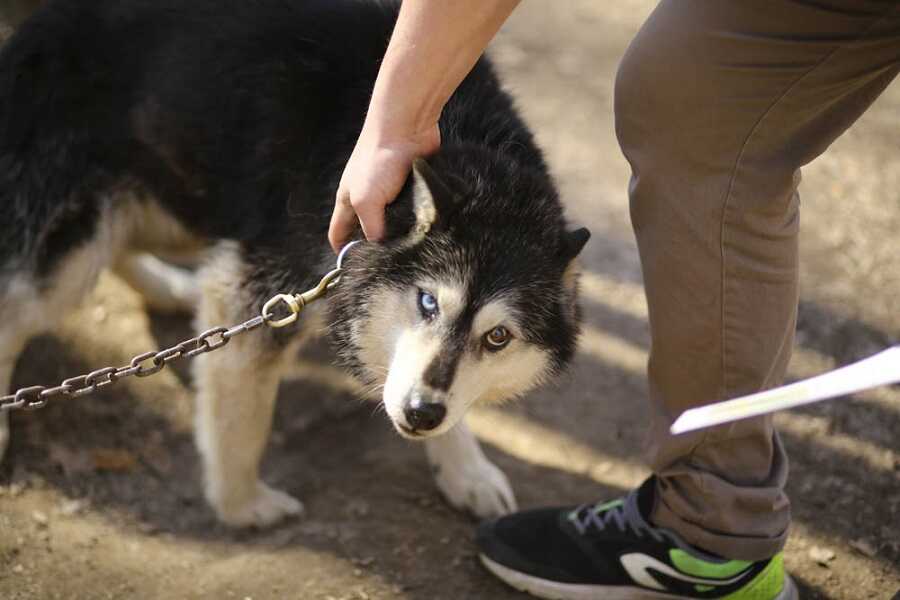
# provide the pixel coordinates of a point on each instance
(624, 516)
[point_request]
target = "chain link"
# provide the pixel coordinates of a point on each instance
(151, 363)
(142, 365)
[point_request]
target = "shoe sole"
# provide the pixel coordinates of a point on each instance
(552, 590)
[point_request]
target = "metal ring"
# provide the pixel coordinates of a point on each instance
(340, 258)
(340, 261)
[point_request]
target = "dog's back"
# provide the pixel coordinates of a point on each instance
(216, 109)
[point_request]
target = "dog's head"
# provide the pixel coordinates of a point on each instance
(470, 298)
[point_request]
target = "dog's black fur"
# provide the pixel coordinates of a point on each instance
(238, 117)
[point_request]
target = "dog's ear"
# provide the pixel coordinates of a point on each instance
(570, 247)
(435, 198)
(573, 242)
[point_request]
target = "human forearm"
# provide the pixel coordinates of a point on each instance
(434, 45)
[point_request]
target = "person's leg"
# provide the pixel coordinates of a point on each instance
(718, 105)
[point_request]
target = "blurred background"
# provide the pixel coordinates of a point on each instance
(100, 497)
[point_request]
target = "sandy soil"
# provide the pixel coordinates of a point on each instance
(99, 497)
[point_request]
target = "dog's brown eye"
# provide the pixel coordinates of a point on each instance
(497, 338)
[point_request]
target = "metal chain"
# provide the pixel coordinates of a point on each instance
(151, 363)
(142, 365)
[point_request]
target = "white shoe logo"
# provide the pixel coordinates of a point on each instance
(638, 565)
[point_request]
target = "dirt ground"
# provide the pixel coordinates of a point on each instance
(99, 497)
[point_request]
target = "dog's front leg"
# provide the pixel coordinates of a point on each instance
(466, 478)
(236, 390)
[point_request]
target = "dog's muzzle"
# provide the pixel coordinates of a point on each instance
(422, 412)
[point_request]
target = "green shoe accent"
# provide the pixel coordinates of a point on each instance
(704, 588)
(765, 586)
(692, 565)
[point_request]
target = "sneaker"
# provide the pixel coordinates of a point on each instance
(609, 551)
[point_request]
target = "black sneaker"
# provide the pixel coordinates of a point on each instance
(609, 551)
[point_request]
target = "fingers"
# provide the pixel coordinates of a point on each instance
(343, 220)
(369, 211)
(372, 178)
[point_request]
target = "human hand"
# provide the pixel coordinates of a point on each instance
(374, 175)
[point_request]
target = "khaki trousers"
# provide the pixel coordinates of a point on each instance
(718, 105)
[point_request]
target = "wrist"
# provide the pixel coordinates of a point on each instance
(396, 123)
(420, 136)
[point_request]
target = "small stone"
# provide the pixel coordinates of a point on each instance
(822, 556)
(40, 518)
(864, 548)
(72, 507)
(99, 314)
(357, 572)
(18, 569)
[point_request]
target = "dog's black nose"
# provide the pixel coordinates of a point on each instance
(422, 415)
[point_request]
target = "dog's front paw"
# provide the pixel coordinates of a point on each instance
(478, 487)
(268, 507)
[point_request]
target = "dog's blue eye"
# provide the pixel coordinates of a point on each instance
(428, 304)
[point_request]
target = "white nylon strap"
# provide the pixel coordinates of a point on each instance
(880, 369)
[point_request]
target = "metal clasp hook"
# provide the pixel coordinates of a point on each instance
(294, 303)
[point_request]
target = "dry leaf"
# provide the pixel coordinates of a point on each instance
(113, 459)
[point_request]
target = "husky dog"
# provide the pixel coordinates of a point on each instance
(157, 125)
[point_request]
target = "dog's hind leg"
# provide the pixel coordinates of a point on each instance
(165, 287)
(236, 390)
(29, 307)
(466, 478)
